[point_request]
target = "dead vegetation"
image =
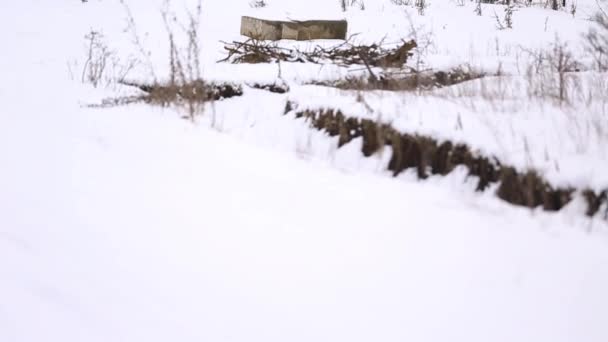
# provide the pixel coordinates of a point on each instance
(429, 156)
(405, 80)
(386, 69)
(345, 54)
(185, 87)
(102, 66)
(197, 91)
(166, 95)
(597, 40)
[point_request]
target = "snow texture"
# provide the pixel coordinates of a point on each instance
(131, 224)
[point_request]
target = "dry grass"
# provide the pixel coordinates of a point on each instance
(102, 65)
(597, 40)
(186, 85)
(185, 88)
(179, 96)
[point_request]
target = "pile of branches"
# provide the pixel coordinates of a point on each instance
(254, 51)
(374, 55)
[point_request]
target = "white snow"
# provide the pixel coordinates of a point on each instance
(131, 224)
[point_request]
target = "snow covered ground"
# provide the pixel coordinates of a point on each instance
(130, 224)
(514, 118)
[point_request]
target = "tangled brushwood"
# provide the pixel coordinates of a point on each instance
(375, 55)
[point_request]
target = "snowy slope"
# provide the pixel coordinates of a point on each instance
(130, 224)
(564, 143)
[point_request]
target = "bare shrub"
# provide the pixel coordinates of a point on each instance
(562, 62)
(185, 79)
(507, 21)
(550, 74)
(424, 42)
(548, 71)
(97, 58)
(596, 41)
(185, 86)
(131, 28)
(102, 65)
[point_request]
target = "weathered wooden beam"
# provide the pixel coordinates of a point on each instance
(296, 30)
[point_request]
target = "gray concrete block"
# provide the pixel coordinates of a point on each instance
(296, 30)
